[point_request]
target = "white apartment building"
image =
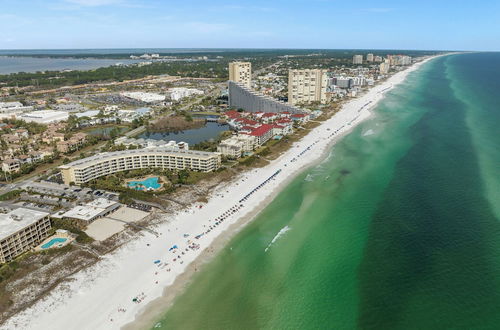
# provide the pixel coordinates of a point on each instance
(21, 230)
(306, 86)
(369, 58)
(90, 168)
(150, 143)
(357, 59)
(236, 145)
(241, 72)
(230, 148)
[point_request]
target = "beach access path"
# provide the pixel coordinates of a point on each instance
(114, 291)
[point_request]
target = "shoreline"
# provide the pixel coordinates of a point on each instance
(131, 272)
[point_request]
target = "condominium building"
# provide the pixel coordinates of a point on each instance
(384, 67)
(399, 59)
(21, 230)
(87, 169)
(306, 86)
(369, 58)
(357, 59)
(241, 72)
(236, 145)
(242, 97)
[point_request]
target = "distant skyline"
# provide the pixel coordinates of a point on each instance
(327, 24)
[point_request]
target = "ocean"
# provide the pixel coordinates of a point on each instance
(398, 228)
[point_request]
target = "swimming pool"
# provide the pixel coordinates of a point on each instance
(149, 183)
(53, 241)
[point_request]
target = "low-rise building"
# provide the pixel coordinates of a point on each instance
(150, 143)
(74, 143)
(44, 116)
(7, 108)
(231, 148)
(262, 134)
(144, 97)
(179, 93)
(11, 165)
(20, 231)
(91, 211)
(236, 145)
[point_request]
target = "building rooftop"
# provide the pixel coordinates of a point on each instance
(91, 210)
(261, 130)
(102, 203)
(18, 219)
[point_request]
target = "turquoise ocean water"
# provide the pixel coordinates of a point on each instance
(397, 229)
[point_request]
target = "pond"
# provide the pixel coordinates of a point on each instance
(211, 130)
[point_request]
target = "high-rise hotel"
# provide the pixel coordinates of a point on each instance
(241, 72)
(306, 86)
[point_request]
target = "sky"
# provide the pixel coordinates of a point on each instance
(318, 24)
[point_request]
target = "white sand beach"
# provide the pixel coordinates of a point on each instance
(101, 296)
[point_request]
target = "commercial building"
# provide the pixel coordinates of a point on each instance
(89, 212)
(144, 97)
(306, 86)
(20, 231)
(241, 72)
(44, 116)
(241, 97)
(357, 59)
(87, 169)
(12, 108)
(179, 93)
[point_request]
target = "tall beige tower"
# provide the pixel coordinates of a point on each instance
(306, 86)
(357, 59)
(241, 72)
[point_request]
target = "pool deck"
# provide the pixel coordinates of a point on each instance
(161, 181)
(68, 236)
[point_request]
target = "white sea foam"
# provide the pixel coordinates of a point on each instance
(278, 235)
(368, 132)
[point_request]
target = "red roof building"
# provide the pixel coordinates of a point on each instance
(263, 133)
